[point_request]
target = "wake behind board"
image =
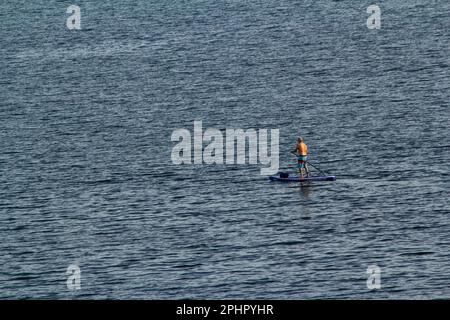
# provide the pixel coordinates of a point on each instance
(292, 177)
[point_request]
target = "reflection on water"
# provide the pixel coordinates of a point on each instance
(305, 189)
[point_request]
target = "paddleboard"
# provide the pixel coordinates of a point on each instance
(295, 178)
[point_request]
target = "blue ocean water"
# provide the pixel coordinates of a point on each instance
(86, 176)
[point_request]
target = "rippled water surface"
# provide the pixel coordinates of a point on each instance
(86, 176)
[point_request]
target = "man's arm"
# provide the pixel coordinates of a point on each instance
(294, 151)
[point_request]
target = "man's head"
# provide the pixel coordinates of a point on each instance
(300, 139)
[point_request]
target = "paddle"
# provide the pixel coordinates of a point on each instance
(321, 171)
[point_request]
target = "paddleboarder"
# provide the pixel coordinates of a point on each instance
(301, 152)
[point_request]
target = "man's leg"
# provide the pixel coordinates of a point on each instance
(302, 166)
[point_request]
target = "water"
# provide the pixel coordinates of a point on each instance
(87, 179)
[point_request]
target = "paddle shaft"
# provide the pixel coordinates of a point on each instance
(322, 172)
(316, 168)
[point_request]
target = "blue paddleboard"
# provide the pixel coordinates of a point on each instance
(292, 177)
